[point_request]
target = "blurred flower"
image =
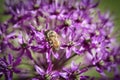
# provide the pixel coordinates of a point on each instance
(8, 66)
(52, 33)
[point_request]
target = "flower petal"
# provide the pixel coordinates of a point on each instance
(68, 53)
(39, 70)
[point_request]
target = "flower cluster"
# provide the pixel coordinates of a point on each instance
(50, 35)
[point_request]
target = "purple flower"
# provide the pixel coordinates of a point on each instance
(53, 34)
(47, 74)
(23, 47)
(73, 72)
(71, 43)
(8, 65)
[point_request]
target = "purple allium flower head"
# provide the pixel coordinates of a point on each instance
(50, 35)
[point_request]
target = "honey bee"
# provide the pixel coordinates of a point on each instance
(53, 39)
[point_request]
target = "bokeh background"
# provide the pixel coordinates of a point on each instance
(113, 6)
